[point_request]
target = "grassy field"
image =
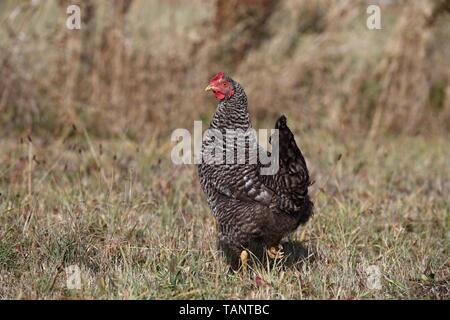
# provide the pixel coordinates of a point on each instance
(85, 121)
(138, 226)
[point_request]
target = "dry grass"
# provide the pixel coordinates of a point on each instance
(139, 227)
(137, 64)
(85, 174)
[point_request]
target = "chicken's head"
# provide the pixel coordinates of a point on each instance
(221, 85)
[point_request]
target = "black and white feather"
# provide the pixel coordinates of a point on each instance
(251, 208)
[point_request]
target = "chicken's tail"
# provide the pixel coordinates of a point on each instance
(292, 178)
(281, 122)
(291, 158)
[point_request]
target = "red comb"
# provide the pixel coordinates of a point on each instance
(218, 76)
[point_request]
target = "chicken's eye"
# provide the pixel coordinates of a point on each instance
(225, 84)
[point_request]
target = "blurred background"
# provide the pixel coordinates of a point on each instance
(86, 117)
(138, 67)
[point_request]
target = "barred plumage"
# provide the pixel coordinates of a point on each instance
(250, 208)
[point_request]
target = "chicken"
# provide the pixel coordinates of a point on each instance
(252, 209)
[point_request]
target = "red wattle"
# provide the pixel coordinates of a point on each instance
(219, 95)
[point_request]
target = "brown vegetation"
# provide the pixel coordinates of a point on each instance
(85, 122)
(312, 59)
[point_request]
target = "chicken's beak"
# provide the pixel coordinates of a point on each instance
(209, 87)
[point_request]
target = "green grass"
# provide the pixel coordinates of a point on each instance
(139, 227)
(111, 202)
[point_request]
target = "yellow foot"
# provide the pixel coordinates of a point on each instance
(275, 252)
(244, 258)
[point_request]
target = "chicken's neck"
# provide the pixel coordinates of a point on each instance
(233, 113)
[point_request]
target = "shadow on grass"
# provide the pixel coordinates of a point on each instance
(296, 253)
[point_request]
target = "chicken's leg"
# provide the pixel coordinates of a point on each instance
(244, 258)
(276, 252)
